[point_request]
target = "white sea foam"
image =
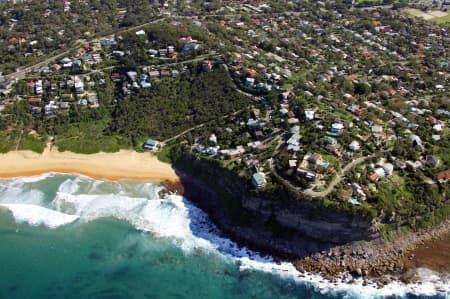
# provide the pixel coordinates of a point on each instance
(30, 179)
(176, 218)
(14, 191)
(36, 215)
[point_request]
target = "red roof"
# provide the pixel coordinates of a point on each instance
(34, 100)
(443, 175)
(373, 176)
(376, 23)
(421, 55)
(250, 71)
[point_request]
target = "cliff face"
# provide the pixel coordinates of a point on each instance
(315, 222)
(275, 222)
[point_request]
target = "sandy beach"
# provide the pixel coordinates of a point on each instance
(109, 166)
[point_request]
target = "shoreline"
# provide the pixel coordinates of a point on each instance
(122, 165)
(399, 258)
(371, 260)
(377, 261)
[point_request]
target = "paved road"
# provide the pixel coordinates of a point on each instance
(22, 73)
(331, 186)
(195, 127)
(336, 180)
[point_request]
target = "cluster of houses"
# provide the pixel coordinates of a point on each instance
(334, 62)
(64, 94)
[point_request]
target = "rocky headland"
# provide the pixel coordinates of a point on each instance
(335, 244)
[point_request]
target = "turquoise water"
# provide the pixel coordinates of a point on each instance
(73, 237)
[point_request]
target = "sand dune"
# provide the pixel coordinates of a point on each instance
(109, 166)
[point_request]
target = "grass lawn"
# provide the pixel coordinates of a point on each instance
(436, 16)
(344, 115)
(445, 20)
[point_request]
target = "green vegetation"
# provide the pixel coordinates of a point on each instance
(332, 83)
(174, 105)
(445, 20)
(33, 143)
(88, 138)
(8, 141)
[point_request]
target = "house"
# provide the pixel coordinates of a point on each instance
(432, 160)
(283, 111)
(333, 149)
(377, 173)
(315, 159)
(345, 194)
(329, 140)
(163, 52)
(250, 82)
(150, 144)
(64, 105)
(373, 176)
(153, 52)
(207, 66)
(414, 165)
(336, 128)
(213, 138)
(154, 74)
(400, 164)
(416, 141)
(108, 42)
(354, 146)
(309, 114)
(78, 84)
(66, 62)
(377, 131)
(132, 75)
(259, 180)
(294, 140)
(211, 151)
(38, 87)
(190, 47)
(140, 32)
(166, 73)
(236, 153)
(118, 53)
(56, 67)
(443, 176)
(34, 101)
(310, 176)
(293, 121)
(175, 73)
(66, 97)
(354, 109)
(388, 168)
(256, 145)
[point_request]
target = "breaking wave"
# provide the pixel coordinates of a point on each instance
(82, 200)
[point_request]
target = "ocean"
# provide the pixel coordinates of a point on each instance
(69, 236)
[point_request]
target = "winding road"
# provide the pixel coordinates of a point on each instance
(21, 74)
(336, 180)
(315, 194)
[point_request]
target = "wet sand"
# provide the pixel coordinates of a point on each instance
(434, 255)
